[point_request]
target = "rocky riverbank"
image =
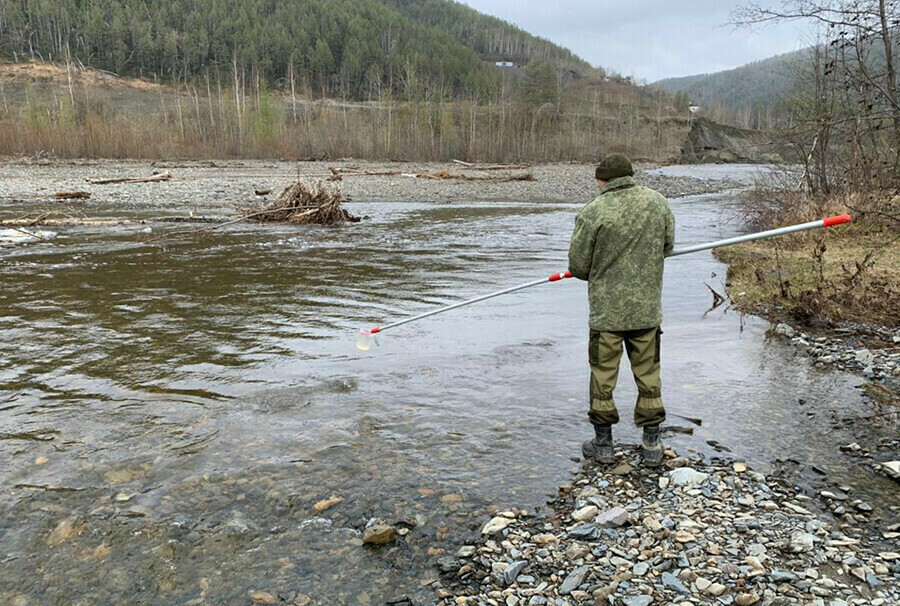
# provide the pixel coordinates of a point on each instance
(696, 532)
(225, 184)
(846, 353)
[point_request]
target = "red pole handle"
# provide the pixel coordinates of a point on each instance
(839, 220)
(558, 277)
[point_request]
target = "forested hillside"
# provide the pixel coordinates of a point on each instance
(493, 39)
(412, 79)
(347, 48)
(747, 96)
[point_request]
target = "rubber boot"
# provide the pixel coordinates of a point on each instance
(652, 449)
(600, 449)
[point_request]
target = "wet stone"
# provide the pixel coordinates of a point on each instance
(379, 534)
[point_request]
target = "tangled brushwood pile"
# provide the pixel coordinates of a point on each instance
(304, 202)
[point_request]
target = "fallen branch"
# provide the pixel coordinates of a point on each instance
(161, 177)
(71, 195)
(447, 175)
(11, 223)
(27, 233)
(337, 173)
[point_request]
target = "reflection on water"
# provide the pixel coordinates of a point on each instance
(174, 412)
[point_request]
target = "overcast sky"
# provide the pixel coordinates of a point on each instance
(650, 39)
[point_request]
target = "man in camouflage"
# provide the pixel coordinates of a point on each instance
(619, 246)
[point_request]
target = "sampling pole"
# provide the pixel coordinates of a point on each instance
(366, 336)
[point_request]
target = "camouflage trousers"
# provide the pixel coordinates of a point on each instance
(605, 354)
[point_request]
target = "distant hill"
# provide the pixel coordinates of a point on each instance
(347, 48)
(745, 92)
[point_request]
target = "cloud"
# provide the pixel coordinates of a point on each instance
(649, 39)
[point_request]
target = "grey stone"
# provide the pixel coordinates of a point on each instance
(573, 580)
(670, 581)
(786, 330)
(641, 600)
(640, 569)
(612, 518)
(584, 531)
(783, 577)
(511, 573)
(537, 600)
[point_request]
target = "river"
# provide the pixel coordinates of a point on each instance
(181, 408)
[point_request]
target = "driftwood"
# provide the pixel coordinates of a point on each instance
(337, 174)
(161, 177)
(69, 222)
(71, 195)
(447, 175)
(313, 201)
(471, 166)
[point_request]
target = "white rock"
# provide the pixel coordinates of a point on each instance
(586, 514)
(687, 477)
(496, 525)
(801, 542)
(892, 468)
(716, 589)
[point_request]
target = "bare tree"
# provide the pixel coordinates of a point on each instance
(847, 97)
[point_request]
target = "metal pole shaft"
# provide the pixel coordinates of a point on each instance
(464, 303)
(748, 238)
(828, 222)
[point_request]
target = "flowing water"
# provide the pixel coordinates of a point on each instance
(175, 411)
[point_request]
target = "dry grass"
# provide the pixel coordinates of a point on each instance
(50, 73)
(841, 275)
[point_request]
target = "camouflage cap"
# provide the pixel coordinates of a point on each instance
(614, 166)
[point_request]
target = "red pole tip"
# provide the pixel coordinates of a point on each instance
(839, 220)
(375, 331)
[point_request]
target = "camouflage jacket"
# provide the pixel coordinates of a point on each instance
(619, 246)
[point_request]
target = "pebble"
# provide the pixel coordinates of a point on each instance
(670, 581)
(746, 599)
(613, 518)
(711, 536)
(326, 504)
(586, 514)
(379, 534)
(685, 476)
(496, 525)
(640, 569)
(801, 541)
(64, 531)
(573, 580)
